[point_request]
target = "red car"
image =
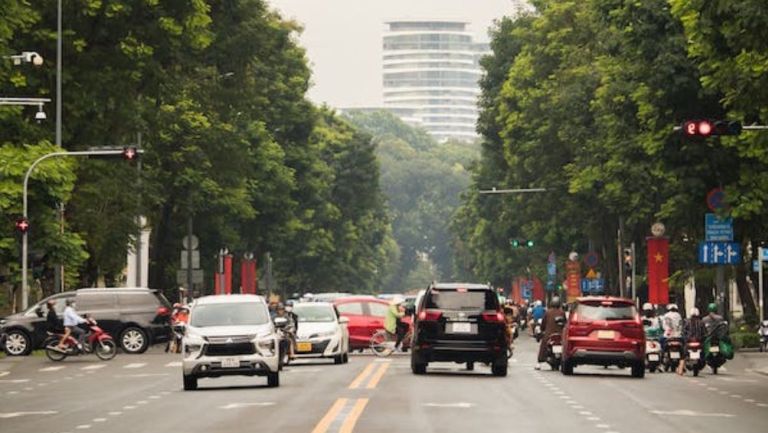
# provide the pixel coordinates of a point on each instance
(604, 330)
(366, 316)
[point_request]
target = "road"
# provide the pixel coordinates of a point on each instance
(143, 394)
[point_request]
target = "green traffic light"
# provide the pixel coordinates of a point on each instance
(515, 243)
(530, 244)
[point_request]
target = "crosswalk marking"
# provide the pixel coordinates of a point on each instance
(135, 365)
(93, 367)
(54, 368)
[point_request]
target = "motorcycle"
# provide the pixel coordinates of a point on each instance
(652, 354)
(763, 332)
(694, 359)
(97, 341)
(555, 346)
(717, 347)
(537, 334)
(673, 353)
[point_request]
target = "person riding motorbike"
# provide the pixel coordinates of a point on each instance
(393, 320)
(672, 322)
(52, 320)
(71, 322)
(693, 330)
(651, 323)
(537, 313)
(549, 327)
(289, 330)
(179, 316)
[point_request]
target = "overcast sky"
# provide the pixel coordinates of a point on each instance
(343, 39)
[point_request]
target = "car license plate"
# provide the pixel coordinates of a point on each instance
(461, 328)
(653, 357)
(605, 335)
(304, 347)
(557, 349)
(714, 349)
(674, 355)
(695, 354)
(230, 362)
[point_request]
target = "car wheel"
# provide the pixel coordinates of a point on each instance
(500, 370)
(190, 383)
(338, 359)
(638, 370)
(417, 367)
(17, 343)
(345, 358)
(134, 340)
(273, 380)
(567, 368)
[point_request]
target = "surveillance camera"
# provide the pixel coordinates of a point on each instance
(32, 57)
(40, 116)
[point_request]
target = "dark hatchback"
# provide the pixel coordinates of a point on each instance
(463, 323)
(134, 317)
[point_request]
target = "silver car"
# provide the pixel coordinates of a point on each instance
(230, 335)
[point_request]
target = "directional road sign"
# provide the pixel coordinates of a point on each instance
(718, 229)
(719, 253)
(593, 287)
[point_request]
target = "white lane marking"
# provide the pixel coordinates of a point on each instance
(135, 365)
(730, 379)
(143, 375)
(241, 405)
(18, 414)
(129, 407)
(565, 397)
(154, 397)
(142, 402)
(54, 368)
(735, 396)
(578, 406)
(749, 400)
(99, 419)
(13, 392)
(115, 413)
(723, 392)
(712, 389)
(165, 393)
(4, 373)
(306, 370)
(585, 412)
(383, 360)
(603, 426)
(93, 367)
(593, 418)
(29, 388)
(686, 412)
(83, 426)
(173, 364)
(459, 405)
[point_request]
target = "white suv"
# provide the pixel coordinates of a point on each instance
(230, 335)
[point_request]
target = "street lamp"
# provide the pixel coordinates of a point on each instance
(27, 57)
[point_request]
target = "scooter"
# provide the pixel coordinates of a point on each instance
(673, 353)
(97, 341)
(763, 332)
(694, 358)
(537, 334)
(555, 346)
(714, 357)
(652, 354)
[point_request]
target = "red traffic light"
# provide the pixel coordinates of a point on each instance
(22, 225)
(698, 128)
(130, 153)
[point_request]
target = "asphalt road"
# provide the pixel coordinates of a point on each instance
(143, 394)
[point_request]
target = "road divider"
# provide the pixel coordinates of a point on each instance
(377, 376)
(362, 376)
(349, 422)
(342, 416)
(330, 416)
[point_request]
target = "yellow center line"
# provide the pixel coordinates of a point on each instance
(362, 376)
(333, 412)
(377, 377)
(354, 414)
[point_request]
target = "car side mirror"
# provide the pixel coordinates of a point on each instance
(343, 320)
(39, 311)
(280, 322)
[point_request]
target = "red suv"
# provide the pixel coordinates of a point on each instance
(604, 331)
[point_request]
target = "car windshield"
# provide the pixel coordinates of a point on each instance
(314, 313)
(452, 299)
(599, 311)
(229, 314)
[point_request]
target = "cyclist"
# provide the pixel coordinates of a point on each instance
(393, 321)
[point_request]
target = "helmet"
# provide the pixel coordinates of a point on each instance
(537, 303)
(671, 307)
(555, 302)
(647, 307)
(712, 307)
(280, 306)
(694, 312)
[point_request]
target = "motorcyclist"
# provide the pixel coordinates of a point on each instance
(693, 330)
(537, 313)
(549, 327)
(179, 316)
(651, 323)
(289, 330)
(393, 321)
(71, 322)
(713, 322)
(672, 322)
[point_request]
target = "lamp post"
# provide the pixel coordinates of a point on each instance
(58, 75)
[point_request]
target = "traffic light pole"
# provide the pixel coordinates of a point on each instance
(25, 234)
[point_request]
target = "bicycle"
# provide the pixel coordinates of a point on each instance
(383, 343)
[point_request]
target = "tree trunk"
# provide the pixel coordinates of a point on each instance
(745, 294)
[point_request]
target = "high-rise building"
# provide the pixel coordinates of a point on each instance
(431, 73)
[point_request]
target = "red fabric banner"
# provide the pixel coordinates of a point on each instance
(228, 274)
(538, 289)
(573, 279)
(248, 276)
(658, 270)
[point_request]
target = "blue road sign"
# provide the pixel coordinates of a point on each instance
(765, 254)
(527, 287)
(719, 253)
(755, 265)
(718, 229)
(551, 269)
(593, 287)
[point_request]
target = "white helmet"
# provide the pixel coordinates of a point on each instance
(647, 307)
(537, 303)
(671, 307)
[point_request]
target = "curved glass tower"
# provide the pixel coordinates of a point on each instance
(431, 73)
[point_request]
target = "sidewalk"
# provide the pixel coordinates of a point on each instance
(753, 360)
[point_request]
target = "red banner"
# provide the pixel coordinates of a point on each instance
(658, 270)
(228, 274)
(573, 272)
(538, 289)
(248, 276)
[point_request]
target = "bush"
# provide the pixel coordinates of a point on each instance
(742, 340)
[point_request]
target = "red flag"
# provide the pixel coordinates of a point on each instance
(248, 276)
(658, 270)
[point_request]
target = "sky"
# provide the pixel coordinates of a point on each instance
(343, 39)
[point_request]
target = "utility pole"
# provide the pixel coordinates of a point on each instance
(140, 218)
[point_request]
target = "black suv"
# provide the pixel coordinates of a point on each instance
(136, 318)
(461, 323)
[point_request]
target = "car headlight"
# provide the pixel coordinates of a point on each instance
(266, 347)
(193, 344)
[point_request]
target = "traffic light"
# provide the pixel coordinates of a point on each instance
(130, 154)
(706, 128)
(517, 243)
(22, 225)
(529, 243)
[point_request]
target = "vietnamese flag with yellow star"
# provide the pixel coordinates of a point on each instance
(658, 270)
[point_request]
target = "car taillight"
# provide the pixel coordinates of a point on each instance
(430, 315)
(493, 317)
(163, 311)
